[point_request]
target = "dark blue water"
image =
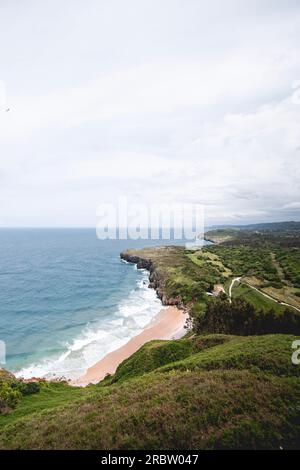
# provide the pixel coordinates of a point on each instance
(66, 299)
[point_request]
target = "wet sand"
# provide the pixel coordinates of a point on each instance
(168, 324)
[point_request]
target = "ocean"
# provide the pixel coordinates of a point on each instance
(66, 299)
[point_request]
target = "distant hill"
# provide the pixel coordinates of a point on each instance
(270, 226)
(230, 383)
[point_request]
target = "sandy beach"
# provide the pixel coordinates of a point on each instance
(168, 324)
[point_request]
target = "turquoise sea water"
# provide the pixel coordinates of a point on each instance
(66, 299)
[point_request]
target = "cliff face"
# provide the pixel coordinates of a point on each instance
(141, 263)
(157, 279)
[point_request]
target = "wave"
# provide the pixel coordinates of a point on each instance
(101, 337)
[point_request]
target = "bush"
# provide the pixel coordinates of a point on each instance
(9, 397)
(12, 390)
(241, 318)
(29, 388)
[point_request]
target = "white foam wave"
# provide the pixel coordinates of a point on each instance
(98, 339)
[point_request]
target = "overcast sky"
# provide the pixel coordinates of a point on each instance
(159, 100)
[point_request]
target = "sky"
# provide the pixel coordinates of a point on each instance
(160, 101)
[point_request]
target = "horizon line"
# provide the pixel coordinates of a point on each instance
(30, 227)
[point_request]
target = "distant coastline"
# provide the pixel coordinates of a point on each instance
(78, 301)
(168, 324)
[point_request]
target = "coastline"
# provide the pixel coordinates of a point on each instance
(168, 324)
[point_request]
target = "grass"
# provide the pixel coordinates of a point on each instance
(245, 260)
(220, 235)
(194, 410)
(52, 395)
(202, 392)
(285, 294)
(289, 261)
(177, 274)
(267, 353)
(278, 267)
(208, 391)
(156, 354)
(255, 298)
(195, 258)
(205, 258)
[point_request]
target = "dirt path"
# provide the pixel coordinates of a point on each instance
(236, 279)
(272, 298)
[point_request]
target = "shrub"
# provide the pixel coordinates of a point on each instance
(29, 388)
(9, 397)
(12, 390)
(241, 318)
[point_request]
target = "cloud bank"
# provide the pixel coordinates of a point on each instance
(180, 102)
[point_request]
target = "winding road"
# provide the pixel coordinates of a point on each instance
(272, 298)
(236, 279)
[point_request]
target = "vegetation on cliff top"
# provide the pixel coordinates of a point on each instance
(202, 392)
(225, 385)
(189, 278)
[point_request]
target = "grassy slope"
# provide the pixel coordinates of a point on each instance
(285, 294)
(179, 276)
(270, 259)
(156, 354)
(269, 353)
(206, 258)
(256, 298)
(212, 391)
(52, 395)
(187, 276)
(215, 409)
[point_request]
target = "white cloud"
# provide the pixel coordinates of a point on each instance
(159, 103)
(256, 153)
(161, 87)
(292, 205)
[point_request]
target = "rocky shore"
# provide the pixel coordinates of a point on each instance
(142, 259)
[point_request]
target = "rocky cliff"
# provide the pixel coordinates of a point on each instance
(157, 279)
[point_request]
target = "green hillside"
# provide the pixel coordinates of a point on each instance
(229, 383)
(199, 392)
